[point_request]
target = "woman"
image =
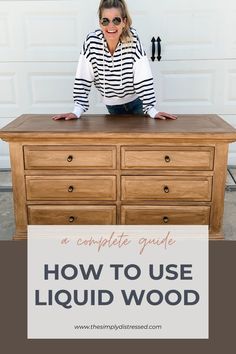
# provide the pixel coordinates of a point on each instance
(113, 58)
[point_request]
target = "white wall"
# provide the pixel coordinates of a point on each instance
(40, 43)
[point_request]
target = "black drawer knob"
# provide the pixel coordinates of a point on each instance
(70, 189)
(69, 158)
(165, 219)
(167, 158)
(71, 219)
(166, 189)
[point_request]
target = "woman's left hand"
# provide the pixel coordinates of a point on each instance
(164, 115)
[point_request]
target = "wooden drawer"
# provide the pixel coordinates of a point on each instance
(71, 188)
(71, 215)
(74, 157)
(166, 187)
(161, 215)
(184, 158)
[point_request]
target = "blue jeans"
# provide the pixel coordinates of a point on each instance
(134, 107)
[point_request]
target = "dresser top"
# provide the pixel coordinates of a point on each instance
(35, 126)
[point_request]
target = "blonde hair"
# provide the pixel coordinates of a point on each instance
(126, 35)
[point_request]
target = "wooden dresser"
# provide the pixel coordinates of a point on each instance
(103, 169)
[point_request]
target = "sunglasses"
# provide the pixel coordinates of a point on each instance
(105, 21)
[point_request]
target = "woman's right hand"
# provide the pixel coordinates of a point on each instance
(66, 116)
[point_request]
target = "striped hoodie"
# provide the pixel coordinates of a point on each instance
(120, 78)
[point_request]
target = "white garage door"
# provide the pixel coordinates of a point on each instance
(40, 43)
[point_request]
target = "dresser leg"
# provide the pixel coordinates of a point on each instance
(218, 191)
(19, 192)
(216, 236)
(20, 236)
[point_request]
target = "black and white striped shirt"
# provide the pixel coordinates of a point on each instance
(120, 78)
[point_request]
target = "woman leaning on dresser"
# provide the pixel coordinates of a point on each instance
(114, 60)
